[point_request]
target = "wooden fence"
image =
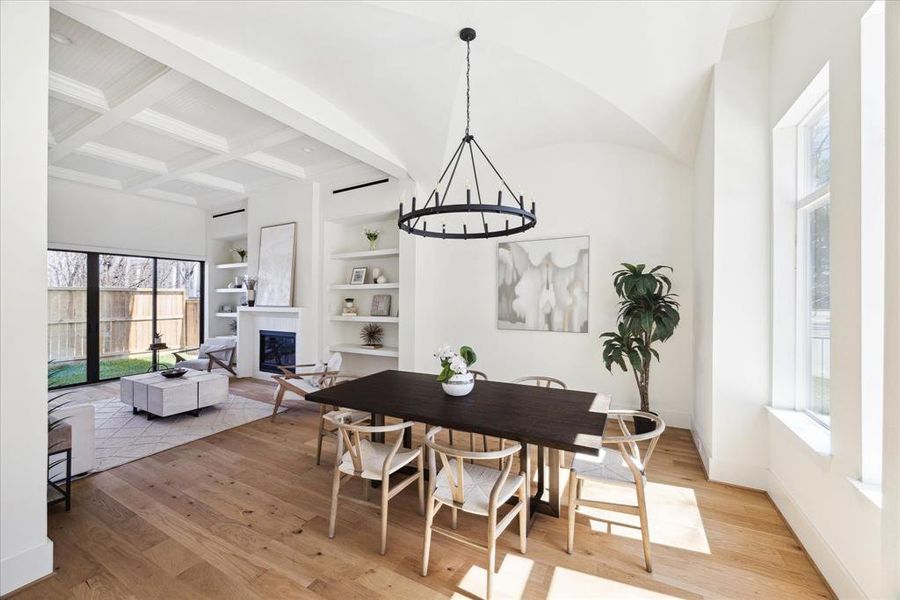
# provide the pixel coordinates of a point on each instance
(126, 321)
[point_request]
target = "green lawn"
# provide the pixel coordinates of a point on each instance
(110, 368)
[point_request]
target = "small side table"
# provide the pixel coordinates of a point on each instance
(59, 441)
(154, 361)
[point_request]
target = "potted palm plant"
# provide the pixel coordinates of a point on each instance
(648, 313)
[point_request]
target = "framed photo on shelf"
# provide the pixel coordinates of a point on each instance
(381, 305)
(358, 276)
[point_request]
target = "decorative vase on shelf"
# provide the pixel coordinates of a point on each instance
(459, 385)
(251, 297)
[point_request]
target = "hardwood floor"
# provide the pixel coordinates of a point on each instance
(244, 514)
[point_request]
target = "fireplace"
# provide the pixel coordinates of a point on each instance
(276, 348)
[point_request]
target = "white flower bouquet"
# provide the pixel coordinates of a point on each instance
(454, 363)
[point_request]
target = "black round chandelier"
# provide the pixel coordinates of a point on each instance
(506, 216)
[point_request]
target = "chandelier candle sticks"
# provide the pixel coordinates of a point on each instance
(514, 217)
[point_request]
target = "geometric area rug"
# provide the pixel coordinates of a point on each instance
(121, 437)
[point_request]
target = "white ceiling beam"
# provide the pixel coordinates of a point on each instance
(123, 157)
(170, 197)
(237, 153)
(162, 86)
(180, 130)
(78, 93)
(82, 177)
(274, 164)
(212, 181)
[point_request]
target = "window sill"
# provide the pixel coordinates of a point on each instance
(813, 434)
(871, 491)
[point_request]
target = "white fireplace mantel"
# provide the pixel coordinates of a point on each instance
(251, 319)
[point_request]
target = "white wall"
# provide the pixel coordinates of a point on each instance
(739, 354)
(839, 527)
(636, 207)
(703, 214)
(85, 217)
(891, 469)
(293, 202)
(25, 552)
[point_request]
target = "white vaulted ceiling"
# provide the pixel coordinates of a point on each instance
(384, 81)
(121, 120)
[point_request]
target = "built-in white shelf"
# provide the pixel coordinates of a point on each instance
(388, 351)
(227, 315)
(230, 290)
(366, 319)
(362, 254)
(367, 286)
(240, 265)
(270, 309)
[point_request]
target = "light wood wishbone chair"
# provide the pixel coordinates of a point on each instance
(479, 375)
(475, 489)
(356, 416)
(540, 381)
(372, 461)
(624, 467)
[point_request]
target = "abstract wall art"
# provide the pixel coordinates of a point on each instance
(542, 285)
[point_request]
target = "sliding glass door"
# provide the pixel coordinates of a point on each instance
(66, 318)
(126, 315)
(104, 309)
(178, 305)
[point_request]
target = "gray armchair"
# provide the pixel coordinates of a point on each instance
(215, 352)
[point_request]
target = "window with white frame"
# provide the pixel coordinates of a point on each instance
(813, 264)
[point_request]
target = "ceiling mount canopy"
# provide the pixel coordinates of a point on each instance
(506, 216)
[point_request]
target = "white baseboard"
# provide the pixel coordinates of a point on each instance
(744, 475)
(831, 567)
(701, 450)
(25, 567)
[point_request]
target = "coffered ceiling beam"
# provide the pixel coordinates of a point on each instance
(237, 153)
(78, 93)
(170, 197)
(161, 87)
(82, 177)
(212, 181)
(180, 130)
(275, 164)
(123, 157)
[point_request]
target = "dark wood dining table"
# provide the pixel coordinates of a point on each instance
(551, 418)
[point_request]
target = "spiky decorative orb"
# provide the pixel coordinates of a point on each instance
(372, 334)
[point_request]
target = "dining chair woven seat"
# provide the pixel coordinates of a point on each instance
(609, 467)
(373, 455)
(478, 482)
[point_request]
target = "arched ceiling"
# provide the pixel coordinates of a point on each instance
(632, 73)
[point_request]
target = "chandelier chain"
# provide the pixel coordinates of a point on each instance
(468, 97)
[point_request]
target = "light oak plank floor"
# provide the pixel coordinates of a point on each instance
(244, 514)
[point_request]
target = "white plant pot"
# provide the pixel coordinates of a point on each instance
(459, 385)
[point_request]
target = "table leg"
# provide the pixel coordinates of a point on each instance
(553, 497)
(377, 421)
(68, 479)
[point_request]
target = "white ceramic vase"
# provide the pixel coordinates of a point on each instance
(459, 385)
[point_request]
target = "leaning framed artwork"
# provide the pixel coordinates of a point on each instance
(542, 285)
(277, 244)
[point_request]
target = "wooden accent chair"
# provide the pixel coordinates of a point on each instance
(540, 381)
(622, 467)
(372, 461)
(310, 378)
(356, 416)
(214, 352)
(479, 375)
(474, 489)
